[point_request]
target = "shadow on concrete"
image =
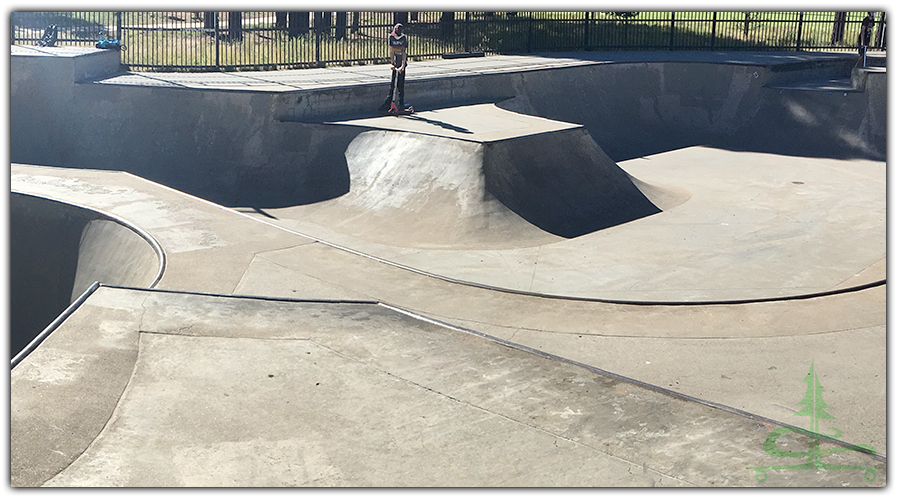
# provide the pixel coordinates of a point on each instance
(444, 125)
(57, 251)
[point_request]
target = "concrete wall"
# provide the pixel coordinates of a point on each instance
(563, 183)
(269, 149)
(57, 251)
(434, 191)
(637, 109)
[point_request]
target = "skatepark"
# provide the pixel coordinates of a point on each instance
(592, 269)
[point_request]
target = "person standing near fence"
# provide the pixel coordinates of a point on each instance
(397, 44)
(865, 34)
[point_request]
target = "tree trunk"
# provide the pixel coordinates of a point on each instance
(235, 29)
(340, 25)
(298, 24)
(446, 23)
(322, 21)
(837, 30)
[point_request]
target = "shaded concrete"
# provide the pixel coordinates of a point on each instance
(476, 177)
(637, 394)
(59, 250)
(735, 226)
(352, 394)
(740, 342)
(257, 139)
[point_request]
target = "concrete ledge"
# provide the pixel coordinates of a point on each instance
(339, 394)
(58, 250)
(82, 63)
(860, 76)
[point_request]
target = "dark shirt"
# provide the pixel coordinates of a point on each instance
(867, 25)
(398, 46)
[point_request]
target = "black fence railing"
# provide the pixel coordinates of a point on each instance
(215, 41)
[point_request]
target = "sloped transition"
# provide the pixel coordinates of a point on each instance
(58, 250)
(435, 191)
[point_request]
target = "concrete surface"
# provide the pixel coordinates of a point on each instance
(215, 385)
(754, 354)
(281, 394)
(735, 225)
(259, 139)
(420, 181)
(60, 250)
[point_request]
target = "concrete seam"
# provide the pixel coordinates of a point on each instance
(527, 293)
(320, 280)
(644, 385)
(485, 410)
(243, 296)
(601, 335)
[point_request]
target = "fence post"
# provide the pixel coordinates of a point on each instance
(586, 28)
(118, 26)
(672, 33)
(879, 38)
(218, 40)
(318, 19)
(712, 36)
(528, 38)
(799, 31)
(466, 34)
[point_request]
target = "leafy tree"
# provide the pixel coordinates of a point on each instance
(446, 23)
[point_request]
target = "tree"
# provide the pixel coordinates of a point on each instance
(298, 24)
(837, 30)
(209, 20)
(446, 23)
(235, 27)
(748, 16)
(322, 21)
(340, 25)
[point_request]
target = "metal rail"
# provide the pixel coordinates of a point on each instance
(231, 41)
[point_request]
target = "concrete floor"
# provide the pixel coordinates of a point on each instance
(755, 357)
(279, 351)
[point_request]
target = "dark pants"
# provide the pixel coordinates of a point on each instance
(397, 78)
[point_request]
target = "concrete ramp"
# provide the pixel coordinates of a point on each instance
(59, 250)
(479, 176)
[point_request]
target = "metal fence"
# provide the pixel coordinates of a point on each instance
(215, 41)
